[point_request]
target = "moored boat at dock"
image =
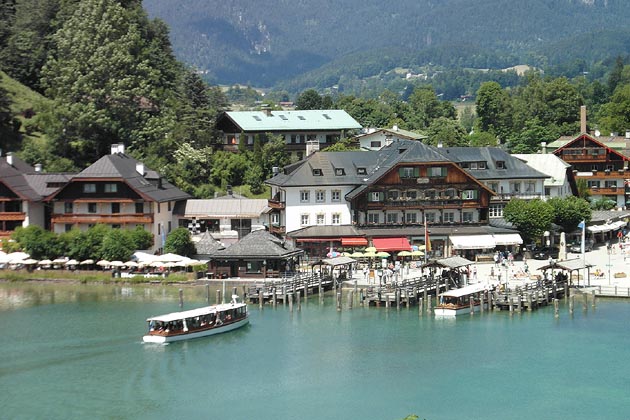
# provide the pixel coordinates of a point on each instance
(195, 323)
(462, 301)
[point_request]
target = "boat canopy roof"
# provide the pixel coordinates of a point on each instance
(467, 290)
(206, 310)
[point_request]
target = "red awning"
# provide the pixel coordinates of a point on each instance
(317, 239)
(391, 244)
(354, 241)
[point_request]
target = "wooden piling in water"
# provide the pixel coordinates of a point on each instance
(350, 297)
(290, 299)
(555, 308)
(420, 304)
(594, 303)
(529, 302)
(585, 303)
(284, 295)
(208, 293)
(361, 297)
(429, 302)
(571, 304)
(274, 297)
(298, 300)
(397, 297)
(472, 306)
(218, 296)
(181, 298)
(261, 298)
(338, 301)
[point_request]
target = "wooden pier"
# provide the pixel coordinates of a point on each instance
(274, 291)
(530, 296)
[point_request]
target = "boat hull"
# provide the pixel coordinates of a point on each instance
(462, 310)
(160, 339)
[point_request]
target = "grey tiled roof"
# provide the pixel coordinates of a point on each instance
(257, 245)
(119, 165)
(14, 177)
(514, 167)
(207, 245)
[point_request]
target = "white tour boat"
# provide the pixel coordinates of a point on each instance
(458, 301)
(197, 323)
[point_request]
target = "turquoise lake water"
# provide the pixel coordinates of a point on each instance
(75, 352)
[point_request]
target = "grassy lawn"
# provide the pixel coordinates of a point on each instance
(86, 277)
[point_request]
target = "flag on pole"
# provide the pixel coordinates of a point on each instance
(582, 225)
(427, 241)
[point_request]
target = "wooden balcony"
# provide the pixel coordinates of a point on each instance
(612, 174)
(275, 204)
(607, 191)
(454, 203)
(108, 219)
(10, 216)
(278, 230)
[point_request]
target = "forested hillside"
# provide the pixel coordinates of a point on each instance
(264, 42)
(84, 74)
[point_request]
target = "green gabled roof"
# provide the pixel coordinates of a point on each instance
(308, 120)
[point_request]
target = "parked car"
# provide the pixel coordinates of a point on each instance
(576, 247)
(545, 253)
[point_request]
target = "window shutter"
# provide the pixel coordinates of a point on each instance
(401, 172)
(416, 172)
(443, 171)
(381, 196)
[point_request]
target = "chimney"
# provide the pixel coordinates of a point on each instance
(267, 111)
(395, 127)
(114, 149)
(440, 144)
(275, 170)
(543, 146)
(140, 168)
(228, 189)
(121, 148)
(627, 134)
(38, 167)
(583, 119)
(10, 158)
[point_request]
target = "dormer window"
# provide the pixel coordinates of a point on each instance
(500, 164)
(361, 171)
(317, 172)
(340, 172)
(89, 188)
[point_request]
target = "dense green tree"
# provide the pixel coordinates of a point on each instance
(481, 139)
(274, 154)
(447, 132)
(532, 218)
(343, 145)
(583, 190)
(190, 167)
(26, 46)
(228, 168)
(309, 99)
(494, 110)
(528, 140)
(615, 115)
(38, 242)
(424, 107)
(9, 126)
(569, 211)
(603, 204)
(180, 243)
(614, 78)
(105, 85)
(117, 245)
(140, 238)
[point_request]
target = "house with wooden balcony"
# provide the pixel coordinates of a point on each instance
(352, 199)
(23, 189)
(118, 191)
(376, 139)
(317, 128)
(604, 168)
(506, 175)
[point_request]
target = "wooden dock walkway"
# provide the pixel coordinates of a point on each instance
(276, 291)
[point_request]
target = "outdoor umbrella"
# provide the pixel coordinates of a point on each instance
(357, 254)
(370, 255)
(370, 249)
(86, 262)
(103, 263)
(44, 262)
(28, 261)
(404, 254)
(116, 263)
(72, 262)
(417, 253)
(383, 254)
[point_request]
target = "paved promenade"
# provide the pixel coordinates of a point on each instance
(598, 258)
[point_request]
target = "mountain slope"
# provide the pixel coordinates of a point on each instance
(265, 41)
